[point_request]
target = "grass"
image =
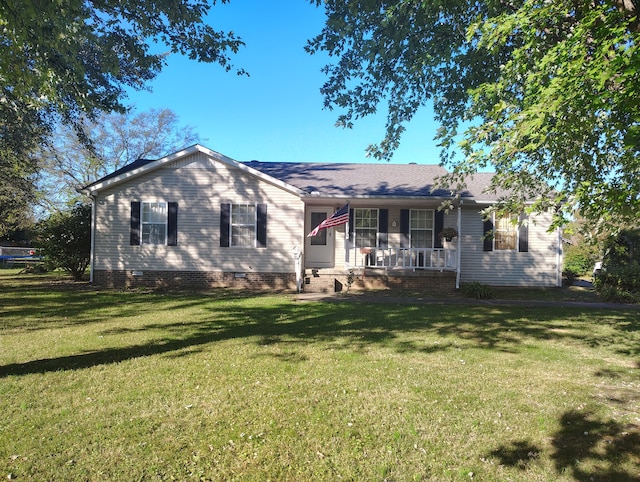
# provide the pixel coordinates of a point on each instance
(132, 385)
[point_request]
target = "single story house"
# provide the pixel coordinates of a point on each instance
(197, 217)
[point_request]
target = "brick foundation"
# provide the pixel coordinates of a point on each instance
(327, 281)
(194, 279)
(317, 281)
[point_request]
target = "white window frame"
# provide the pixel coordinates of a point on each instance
(365, 221)
(414, 225)
(151, 220)
(505, 230)
(247, 222)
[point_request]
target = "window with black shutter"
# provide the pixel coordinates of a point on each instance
(243, 225)
(154, 223)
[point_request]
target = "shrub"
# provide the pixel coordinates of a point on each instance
(615, 295)
(65, 240)
(619, 277)
(579, 259)
(477, 290)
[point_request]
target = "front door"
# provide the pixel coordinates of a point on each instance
(319, 248)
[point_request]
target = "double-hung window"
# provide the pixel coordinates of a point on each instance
(421, 228)
(505, 232)
(154, 223)
(365, 227)
(243, 225)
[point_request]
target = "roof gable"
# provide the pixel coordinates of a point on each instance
(145, 166)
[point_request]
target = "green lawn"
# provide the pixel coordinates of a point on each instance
(131, 385)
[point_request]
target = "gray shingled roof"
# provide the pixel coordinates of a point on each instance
(129, 167)
(346, 180)
(355, 180)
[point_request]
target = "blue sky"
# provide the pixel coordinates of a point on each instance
(277, 113)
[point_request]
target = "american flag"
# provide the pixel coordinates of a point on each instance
(341, 216)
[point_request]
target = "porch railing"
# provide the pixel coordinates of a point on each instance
(404, 258)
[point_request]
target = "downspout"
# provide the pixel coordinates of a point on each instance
(458, 247)
(94, 217)
(559, 259)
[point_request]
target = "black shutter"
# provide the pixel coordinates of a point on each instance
(134, 236)
(261, 231)
(404, 229)
(488, 235)
(172, 224)
(225, 224)
(383, 228)
(438, 224)
(523, 235)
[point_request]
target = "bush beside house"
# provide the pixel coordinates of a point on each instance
(65, 240)
(619, 278)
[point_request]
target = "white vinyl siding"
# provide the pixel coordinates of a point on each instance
(199, 184)
(536, 267)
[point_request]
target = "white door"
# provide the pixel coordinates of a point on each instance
(319, 249)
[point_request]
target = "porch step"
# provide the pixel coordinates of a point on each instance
(333, 280)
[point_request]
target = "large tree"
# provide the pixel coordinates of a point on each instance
(69, 162)
(20, 134)
(65, 59)
(547, 93)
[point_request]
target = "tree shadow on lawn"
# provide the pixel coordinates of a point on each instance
(45, 306)
(585, 447)
(352, 326)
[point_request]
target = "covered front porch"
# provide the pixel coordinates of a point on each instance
(394, 240)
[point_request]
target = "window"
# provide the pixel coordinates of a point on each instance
(243, 224)
(505, 232)
(421, 228)
(154, 223)
(365, 227)
(319, 239)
